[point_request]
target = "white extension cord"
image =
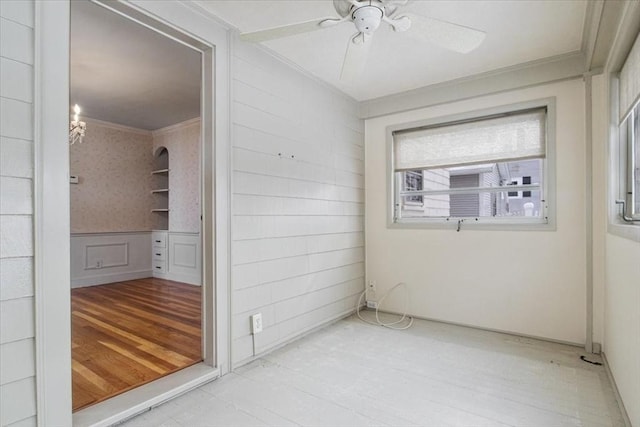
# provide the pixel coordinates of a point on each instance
(391, 325)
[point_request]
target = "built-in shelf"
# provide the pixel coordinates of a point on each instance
(160, 189)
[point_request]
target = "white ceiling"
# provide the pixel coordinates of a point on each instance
(517, 31)
(124, 73)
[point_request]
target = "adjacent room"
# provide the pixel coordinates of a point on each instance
(323, 212)
(134, 159)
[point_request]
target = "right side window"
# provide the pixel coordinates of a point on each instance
(630, 145)
(628, 150)
(636, 165)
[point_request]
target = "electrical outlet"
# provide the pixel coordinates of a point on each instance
(372, 286)
(99, 263)
(372, 304)
(256, 323)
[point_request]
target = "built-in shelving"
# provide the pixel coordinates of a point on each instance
(160, 189)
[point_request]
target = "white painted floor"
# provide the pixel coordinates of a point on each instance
(352, 374)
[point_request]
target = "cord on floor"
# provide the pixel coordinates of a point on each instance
(379, 322)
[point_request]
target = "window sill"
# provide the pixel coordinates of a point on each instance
(469, 225)
(626, 231)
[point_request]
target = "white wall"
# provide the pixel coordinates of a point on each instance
(17, 366)
(622, 320)
(621, 292)
(526, 282)
(297, 235)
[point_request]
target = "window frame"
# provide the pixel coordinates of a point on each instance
(545, 223)
(627, 153)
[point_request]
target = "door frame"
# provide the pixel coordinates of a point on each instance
(185, 23)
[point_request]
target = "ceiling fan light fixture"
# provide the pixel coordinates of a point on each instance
(367, 18)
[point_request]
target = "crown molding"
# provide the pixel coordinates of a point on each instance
(591, 26)
(115, 126)
(177, 126)
(533, 73)
(626, 32)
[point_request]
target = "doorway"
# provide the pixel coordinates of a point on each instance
(188, 25)
(136, 192)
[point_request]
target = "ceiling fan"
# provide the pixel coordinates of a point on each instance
(367, 15)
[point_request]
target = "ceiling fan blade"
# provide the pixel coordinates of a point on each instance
(288, 30)
(355, 58)
(457, 38)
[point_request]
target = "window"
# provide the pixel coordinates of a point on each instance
(630, 157)
(629, 137)
(482, 169)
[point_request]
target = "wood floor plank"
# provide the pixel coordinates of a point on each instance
(129, 333)
(150, 341)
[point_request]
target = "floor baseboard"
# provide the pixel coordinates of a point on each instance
(616, 392)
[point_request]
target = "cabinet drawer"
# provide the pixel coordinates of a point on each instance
(159, 240)
(159, 254)
(159, 267)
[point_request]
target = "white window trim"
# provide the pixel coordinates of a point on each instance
(618, 176)
(510, 224)
(627, 155)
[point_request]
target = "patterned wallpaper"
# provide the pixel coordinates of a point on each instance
(183, 144)
(114, 167)
(114, 189)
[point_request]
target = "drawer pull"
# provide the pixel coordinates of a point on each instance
(158, 241)
(158, 254)
(159, 268)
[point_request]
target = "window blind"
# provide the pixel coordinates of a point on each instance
(516, 136)
(630, 81)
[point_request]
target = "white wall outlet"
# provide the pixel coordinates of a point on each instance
(256, 323)
(99, 263)
(372, 304)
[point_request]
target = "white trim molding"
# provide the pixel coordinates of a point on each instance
(115, 126)
(125, 406)
(543, 71)
(51, 214)
(175, 127)
(52, 217)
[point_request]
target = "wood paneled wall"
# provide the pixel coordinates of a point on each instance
(298, 202)
(17, 366)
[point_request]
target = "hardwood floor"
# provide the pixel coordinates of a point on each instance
(129, 333)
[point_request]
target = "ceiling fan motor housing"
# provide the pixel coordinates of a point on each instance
(367, 18)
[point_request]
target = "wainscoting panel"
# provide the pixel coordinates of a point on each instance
(99, 258)
(184, 258)
(107, 255)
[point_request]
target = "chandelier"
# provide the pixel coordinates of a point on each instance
(76, 127)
